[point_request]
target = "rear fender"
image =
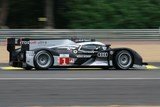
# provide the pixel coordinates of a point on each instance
(30, 59)
(52, 52)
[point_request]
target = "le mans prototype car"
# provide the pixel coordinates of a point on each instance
(74, 52)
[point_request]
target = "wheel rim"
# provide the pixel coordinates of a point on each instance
(43, 60)
(124, 60)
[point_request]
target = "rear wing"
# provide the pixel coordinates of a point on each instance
(11, 47)
(13, 42)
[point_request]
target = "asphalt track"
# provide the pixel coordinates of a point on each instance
(79, 87)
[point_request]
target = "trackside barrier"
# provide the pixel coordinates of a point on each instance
(114, 34)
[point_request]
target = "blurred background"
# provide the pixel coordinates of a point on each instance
(80, 14)
(123, 23)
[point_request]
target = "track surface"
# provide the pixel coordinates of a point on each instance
(64, 87)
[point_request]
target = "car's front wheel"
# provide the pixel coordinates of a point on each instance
(43, 60)
(123, 60)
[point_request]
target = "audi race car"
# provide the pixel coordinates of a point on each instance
(57, 52)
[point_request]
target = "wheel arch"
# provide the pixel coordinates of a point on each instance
(43, 49)
(137, 59)
(48, 50)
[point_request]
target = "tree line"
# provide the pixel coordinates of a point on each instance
(80, 14)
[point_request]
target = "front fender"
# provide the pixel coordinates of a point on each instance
(137, 59)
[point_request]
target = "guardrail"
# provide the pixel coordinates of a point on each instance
(116, 34)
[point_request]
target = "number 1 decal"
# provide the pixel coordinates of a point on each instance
(64, 61)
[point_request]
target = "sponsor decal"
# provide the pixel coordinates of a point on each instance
(25, 42)
(28, 42)
(33, 42)
(83, 56)
(64, 51)
(64, 55)
(42, 42)
(102, 54)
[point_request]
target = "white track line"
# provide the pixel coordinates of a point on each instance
(79, 78)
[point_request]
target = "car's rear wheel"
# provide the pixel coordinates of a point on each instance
(123, 60)
(43, 60)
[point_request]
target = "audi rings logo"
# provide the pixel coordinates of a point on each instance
(102, 54)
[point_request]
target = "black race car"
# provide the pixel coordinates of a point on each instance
(57, 52)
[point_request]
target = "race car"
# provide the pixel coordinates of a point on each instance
(48, 53)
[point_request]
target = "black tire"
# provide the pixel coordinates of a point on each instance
(43, 60)
(123, 60)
